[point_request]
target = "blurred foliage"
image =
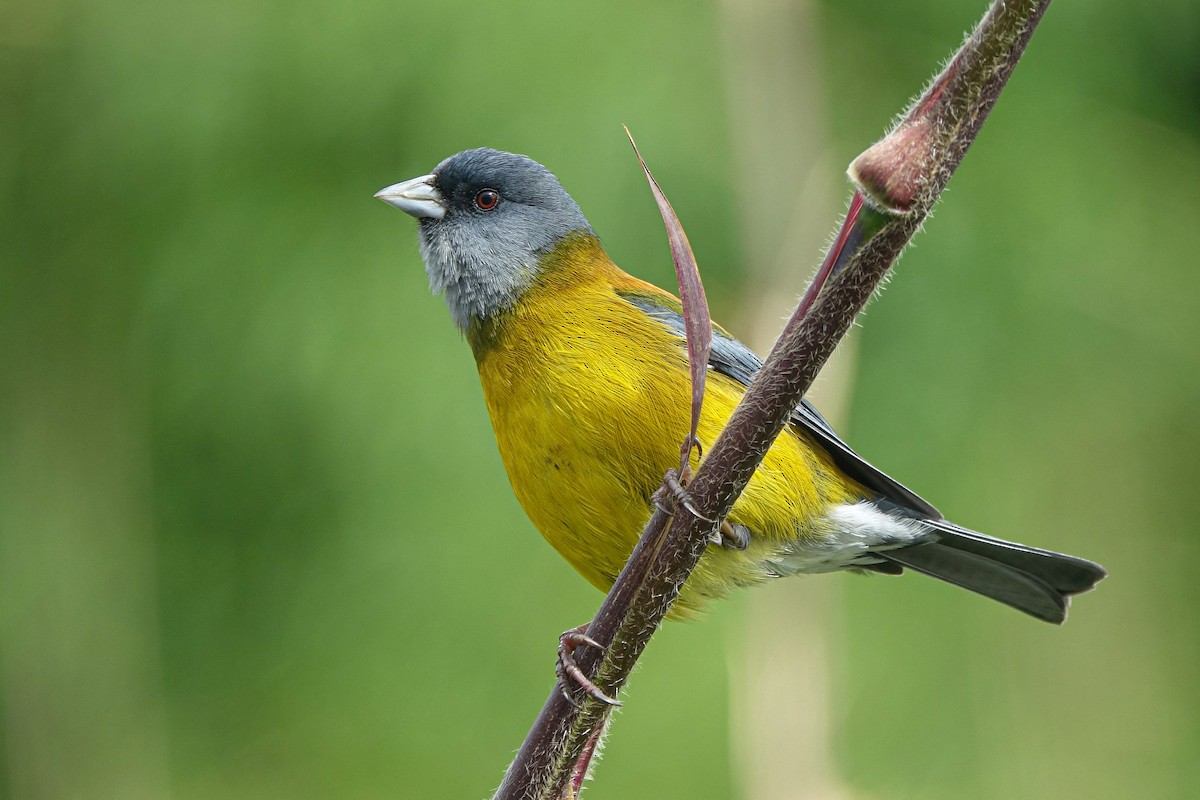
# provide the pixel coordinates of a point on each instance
(255, 539)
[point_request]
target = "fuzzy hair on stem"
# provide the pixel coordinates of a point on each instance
(900, 179)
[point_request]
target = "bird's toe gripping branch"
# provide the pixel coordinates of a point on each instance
(569, 672)
(728, 535)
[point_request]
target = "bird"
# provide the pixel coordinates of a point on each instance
(585, 377)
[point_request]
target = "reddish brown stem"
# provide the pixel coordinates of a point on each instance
(900, 178)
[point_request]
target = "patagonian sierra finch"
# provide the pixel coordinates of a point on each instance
(585, 375)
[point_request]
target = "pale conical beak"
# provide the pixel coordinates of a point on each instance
(418, 197)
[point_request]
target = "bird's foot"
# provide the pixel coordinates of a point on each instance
(676, 486)
(569, 672)
(734, 536)
(728, 535)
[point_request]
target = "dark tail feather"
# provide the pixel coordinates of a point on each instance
(1038, 582)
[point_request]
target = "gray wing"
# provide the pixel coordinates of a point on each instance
(733, 359)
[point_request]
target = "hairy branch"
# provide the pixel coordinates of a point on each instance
(898, 181)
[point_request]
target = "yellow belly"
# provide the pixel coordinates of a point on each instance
(589, 399)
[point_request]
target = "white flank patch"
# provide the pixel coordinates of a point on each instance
(851, 533)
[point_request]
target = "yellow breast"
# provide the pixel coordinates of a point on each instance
(589, 399)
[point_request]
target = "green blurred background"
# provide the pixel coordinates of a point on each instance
(255, 538)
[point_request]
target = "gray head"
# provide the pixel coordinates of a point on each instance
(486, 218)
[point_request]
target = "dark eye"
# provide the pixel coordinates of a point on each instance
(487, 199)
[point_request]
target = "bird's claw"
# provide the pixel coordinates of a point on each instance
(729, 535)
(733, 536)
(675, 485)
(568, 671)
